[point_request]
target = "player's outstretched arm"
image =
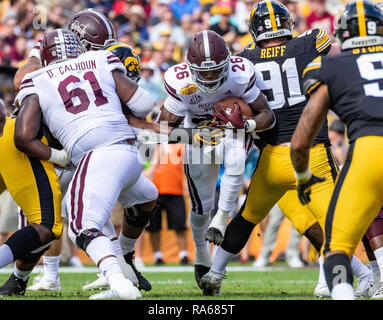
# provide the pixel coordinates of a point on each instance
(2, 117)
(31, 65)
(28, 123)
(308, 126)
(310, 122)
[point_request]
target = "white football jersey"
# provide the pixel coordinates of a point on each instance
(186, 99)
(77, 97)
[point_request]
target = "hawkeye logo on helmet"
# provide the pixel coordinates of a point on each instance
(362, 43)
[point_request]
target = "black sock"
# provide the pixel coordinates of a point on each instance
(337, 269)
(237, 233)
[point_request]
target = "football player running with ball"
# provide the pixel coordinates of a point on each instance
(194, 87)
(281, 59)
(348, 84)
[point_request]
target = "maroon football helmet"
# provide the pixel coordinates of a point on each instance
(208, 59)
(60, 45)
(93, 28)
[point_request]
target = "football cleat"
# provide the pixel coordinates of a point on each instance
(364, 285)
(199, 271)
(13, 286)
(321, 291)
(124, 290)
(378, 294)
(98, 284)
(45, 284)
(211, 283)
(143, 283)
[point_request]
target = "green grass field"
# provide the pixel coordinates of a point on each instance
(276, 283)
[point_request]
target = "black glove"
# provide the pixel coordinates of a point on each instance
(304, 189)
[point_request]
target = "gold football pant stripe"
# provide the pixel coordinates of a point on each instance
(357, 196)
(273, 182)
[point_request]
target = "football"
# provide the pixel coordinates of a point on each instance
(228, 106)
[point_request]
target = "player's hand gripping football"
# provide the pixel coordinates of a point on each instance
(304, 188)
(233, 120)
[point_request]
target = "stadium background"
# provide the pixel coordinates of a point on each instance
(159, 31)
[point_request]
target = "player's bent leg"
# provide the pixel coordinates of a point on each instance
(202, 179)
(348, 217)
(236, 236)
(98, 248)
(234, 156)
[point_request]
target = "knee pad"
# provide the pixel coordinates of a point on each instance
(85, 237)
(23, 242)
(35, 255)
(139, 219)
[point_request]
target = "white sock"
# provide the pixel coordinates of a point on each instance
(182, 254)
(221, 259)
(116, 246)
(358, 268)
(379, 260)
(220, 220)
(199, 225)
(158, 255)
(6, 255)
(230, 187)
(23, 275)
(127, 244)
(51, 267)
(322, 277)
(343, 291)
(100, 251)
(375, 271)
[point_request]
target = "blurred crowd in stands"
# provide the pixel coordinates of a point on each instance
(158, 29)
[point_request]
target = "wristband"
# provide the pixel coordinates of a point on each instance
(59, 157)
(304, 176)
(250, 125)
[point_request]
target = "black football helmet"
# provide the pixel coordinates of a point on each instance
(128, 57)
(270, 19)
(360, 25)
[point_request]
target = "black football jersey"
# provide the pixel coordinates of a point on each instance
(355, 85)
(282, 67)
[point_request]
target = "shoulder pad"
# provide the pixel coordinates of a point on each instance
(178, 81)
(311, 76)
(323, 41)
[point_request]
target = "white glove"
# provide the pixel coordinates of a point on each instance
(59, 157)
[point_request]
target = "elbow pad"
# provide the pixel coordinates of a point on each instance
(141, 103)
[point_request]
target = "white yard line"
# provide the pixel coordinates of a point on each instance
(151, 269)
